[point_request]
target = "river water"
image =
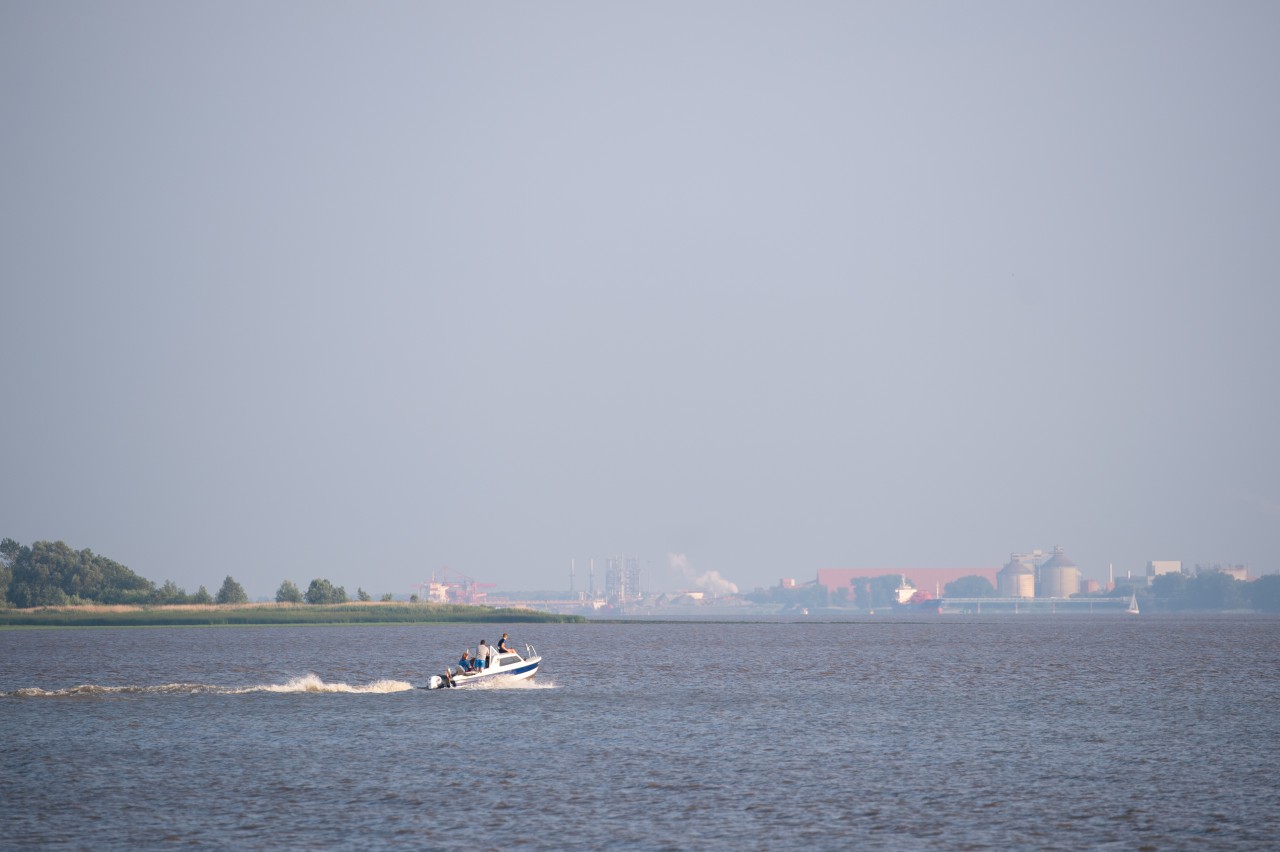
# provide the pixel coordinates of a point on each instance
(1040, 732)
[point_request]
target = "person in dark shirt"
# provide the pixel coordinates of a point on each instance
(503, 647)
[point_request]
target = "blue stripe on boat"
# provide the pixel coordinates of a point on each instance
(463, 680)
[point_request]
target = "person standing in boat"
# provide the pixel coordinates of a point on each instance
(482, 655)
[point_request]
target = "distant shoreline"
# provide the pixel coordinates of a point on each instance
(269, 614)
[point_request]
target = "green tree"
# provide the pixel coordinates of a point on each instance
(1264, 593)
(288, 593)
(1169, 591)
(808, 595)
(231, 593)
(115, 582)
(50, 573)
(973, 586)
(170, 593)
(202, 597)
(321, 591)
(37, 578)
(387, 597)
(9, 550)
(1215, 590)
(362, 595)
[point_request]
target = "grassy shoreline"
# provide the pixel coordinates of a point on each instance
(265, 614)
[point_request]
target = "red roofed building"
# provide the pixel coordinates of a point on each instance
(932, 580)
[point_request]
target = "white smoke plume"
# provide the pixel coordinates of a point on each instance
(709, 581)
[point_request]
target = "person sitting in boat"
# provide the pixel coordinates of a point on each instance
(448, 678)
(503, 647)
(482, 655)
(465, 662)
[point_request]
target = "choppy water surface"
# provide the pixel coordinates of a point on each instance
(1035, 732)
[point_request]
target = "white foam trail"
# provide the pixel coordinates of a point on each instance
(313, 683)
(93, 689)
(306, 683)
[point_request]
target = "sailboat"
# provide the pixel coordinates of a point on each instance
(1133, 605)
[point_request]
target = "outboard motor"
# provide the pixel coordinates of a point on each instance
(435, 682)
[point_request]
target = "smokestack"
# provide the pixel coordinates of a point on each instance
(571, 567)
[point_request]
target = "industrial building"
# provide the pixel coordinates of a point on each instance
(622, 578)
(1016, 579)
(1236, 572)
(1057, 578)
(1156, 567)
(1036, 574)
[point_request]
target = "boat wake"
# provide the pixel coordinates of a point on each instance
(312, 683)
(89, 689)
(305, 683)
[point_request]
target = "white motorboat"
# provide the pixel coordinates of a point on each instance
(504, 666)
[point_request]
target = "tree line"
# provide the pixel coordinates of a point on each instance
(50, 573)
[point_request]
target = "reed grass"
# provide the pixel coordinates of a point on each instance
(270, 614)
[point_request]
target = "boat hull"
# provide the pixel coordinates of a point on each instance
(522, 670)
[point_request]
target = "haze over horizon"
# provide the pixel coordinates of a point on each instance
(306, 290)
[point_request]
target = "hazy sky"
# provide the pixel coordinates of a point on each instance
(357, 291)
